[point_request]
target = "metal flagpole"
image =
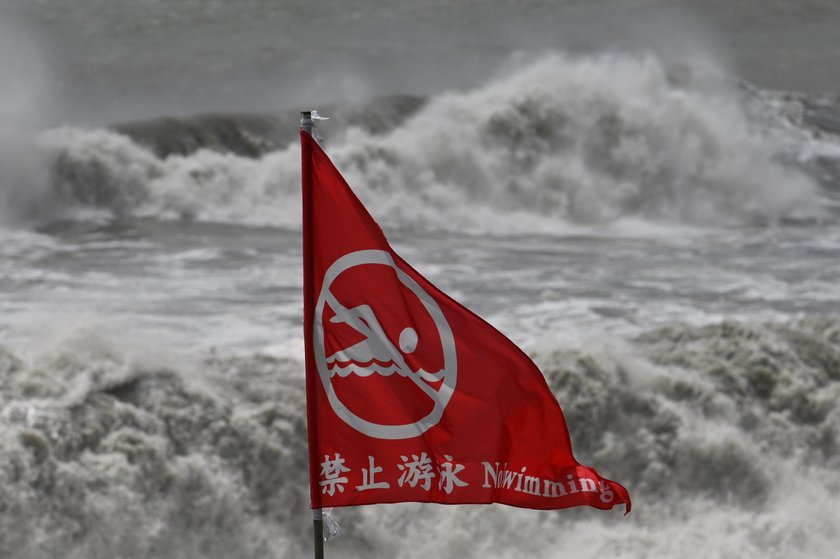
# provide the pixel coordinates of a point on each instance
(306, 124)
(318, 533)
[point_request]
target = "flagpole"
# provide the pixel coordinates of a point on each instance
(318, 532)
(306, 125)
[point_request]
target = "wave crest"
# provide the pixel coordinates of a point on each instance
(559, 141)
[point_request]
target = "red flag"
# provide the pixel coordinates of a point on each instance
(410, 396)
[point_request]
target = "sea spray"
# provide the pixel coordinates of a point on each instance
(152, 465)
(24, 106)
(727, 433)
(561, 140)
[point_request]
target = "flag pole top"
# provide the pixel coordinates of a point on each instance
(308, 120)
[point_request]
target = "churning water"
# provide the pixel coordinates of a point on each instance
(662, 236)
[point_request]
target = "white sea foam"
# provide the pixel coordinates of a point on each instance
(725, 435)
(558, 142)
(113, 442)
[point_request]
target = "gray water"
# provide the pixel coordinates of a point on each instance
(644, 195)
(111, 60)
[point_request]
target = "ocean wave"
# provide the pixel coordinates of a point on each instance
(254, 135)
(555, 142)
(733, 425)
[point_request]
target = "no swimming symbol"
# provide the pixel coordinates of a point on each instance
(375, 353)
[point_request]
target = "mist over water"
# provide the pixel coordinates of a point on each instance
(123, 60)
(613, 185)
(23, 101)
(558, 140)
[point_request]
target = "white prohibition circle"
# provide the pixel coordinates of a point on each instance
(449, 374)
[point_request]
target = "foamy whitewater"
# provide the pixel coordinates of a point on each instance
(662, 237)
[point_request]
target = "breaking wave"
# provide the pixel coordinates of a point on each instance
(557, 141)
(727, 436)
